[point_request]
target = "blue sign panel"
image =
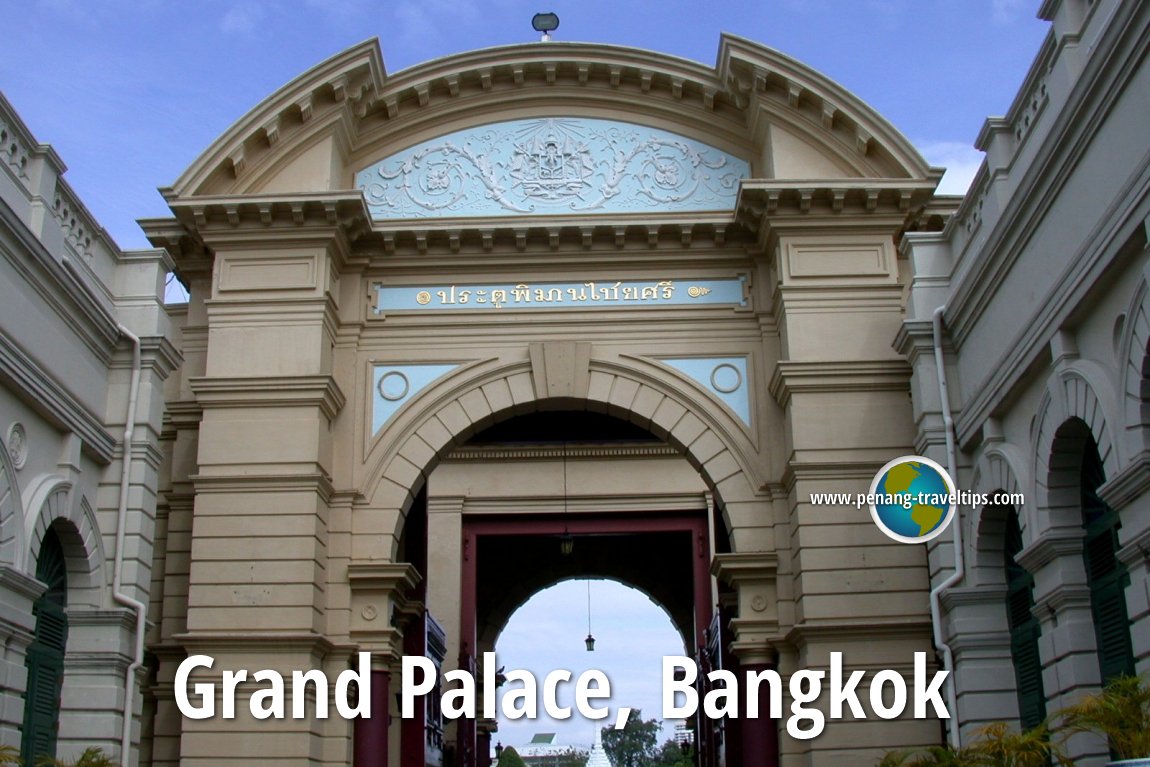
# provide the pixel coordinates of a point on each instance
(562, 295)
(552, 165)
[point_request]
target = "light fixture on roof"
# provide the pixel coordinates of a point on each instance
(545, 23)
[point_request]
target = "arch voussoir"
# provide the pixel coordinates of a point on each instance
(646, 402)
(623, 393)
(687, 430)
(477, 408)
(498, 395)
(435, 435)
(666, 416)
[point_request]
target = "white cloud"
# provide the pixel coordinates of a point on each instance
(242, 18)
(1003, 12)
(960, 159)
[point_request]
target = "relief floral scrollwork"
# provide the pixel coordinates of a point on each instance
(552, 165)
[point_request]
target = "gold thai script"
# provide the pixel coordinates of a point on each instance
(524, 294)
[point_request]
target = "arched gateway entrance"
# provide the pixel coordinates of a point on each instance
(623, 505)
(700, 263)
(632, 493)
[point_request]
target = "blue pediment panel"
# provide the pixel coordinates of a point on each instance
(551, 166)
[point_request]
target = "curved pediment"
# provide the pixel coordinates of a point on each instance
(757, 113)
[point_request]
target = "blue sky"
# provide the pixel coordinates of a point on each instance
(632, 634)
(129, 92)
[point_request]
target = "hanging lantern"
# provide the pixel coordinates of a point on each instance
(590, 640)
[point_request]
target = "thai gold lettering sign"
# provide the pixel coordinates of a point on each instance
(560, 295)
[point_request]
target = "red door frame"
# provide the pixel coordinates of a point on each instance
(694, 523)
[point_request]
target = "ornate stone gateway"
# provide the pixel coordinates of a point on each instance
(517, 293)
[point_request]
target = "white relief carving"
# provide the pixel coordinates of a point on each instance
(17, 445)
(553, 165)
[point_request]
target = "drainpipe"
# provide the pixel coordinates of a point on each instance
(121, 523)
(121, 519)
(959, 566)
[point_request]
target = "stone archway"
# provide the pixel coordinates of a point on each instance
(633, 389)
(565, 376)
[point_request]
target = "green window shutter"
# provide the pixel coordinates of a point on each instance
(1105, 574)
(1024, 631)
(45, 659)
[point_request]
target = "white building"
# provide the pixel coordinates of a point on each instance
(1044, 275)
(84, 349)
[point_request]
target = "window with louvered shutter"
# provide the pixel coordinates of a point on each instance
(45, 659)
(1105, 574)
(1024, 630)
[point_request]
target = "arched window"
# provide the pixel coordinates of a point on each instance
(1024, 630)
(1105, 574)
(45, 660)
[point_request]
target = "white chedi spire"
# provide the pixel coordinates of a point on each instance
(598, 757)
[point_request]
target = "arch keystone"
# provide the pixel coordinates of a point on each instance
(561, 368)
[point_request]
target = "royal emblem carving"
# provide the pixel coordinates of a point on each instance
(552, 165)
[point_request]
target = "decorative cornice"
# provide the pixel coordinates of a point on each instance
(556, 233)
(583, 65)
(189, 254)
(837, 377)
(863, 628)
(122, 618)
(390, 577)
(250, 641)
(1136, 551)
(995, 643)
(20, 583)
(552, 453)
(54, 403)
(1062, 597)
(297, 391)
(737, 568)
(160, 354)
(750, 70)
(1131, 482)
(300, 214)
(58, 282)
(351, 78)
(263, 483)
(1053, 544)
(759, 198)
(184, 414)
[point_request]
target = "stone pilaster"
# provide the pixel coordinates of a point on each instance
(260, 523)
